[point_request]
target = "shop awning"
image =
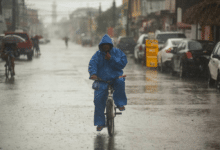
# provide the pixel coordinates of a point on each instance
(204, 13)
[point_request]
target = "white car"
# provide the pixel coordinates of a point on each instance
(164, 56)
(162, 37)
(214, 67)
(139, 49)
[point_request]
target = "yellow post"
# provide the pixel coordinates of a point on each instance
(151, 52)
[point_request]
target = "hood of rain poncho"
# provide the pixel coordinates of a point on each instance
(105, 40)
(107, 69)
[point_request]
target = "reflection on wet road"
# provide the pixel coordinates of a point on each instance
(49, 105)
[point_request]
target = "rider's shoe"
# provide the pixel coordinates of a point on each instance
(99, 128)
(122, 108)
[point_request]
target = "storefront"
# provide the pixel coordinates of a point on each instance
(205, 16)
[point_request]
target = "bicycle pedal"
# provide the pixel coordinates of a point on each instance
(118, 113)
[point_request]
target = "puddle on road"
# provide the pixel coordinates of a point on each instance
(141, 89)
(145, 101)
(212, 145)
(191, 112)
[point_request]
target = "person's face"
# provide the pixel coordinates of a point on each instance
(106, 48)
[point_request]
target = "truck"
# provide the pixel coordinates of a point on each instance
(24, 48)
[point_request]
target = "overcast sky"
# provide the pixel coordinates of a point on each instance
(65, 7)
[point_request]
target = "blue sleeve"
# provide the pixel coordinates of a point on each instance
(119, 60)
(93, 65)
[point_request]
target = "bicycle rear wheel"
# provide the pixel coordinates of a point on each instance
(9, 69)
(110, 116)
(6, 70)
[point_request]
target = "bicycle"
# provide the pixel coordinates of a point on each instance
(110, 108)
(8, 65)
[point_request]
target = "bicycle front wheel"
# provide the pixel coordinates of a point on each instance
(110, 116)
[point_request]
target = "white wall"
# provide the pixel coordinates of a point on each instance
(3, 26)
(156, 6)
(193, 32)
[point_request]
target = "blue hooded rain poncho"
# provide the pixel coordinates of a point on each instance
(107, 70)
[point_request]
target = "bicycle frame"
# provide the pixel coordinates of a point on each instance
(110, 108)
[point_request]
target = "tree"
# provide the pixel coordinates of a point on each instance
(105, 20)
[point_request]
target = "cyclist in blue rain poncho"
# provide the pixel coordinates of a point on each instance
(107, 63)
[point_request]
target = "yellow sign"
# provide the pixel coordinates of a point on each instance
(151, 53)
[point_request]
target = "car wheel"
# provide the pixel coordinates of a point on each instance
(162, 67)
(218, 81)
(135, 60)
(172, 71)
(182, 72)
(29, 57)
(211, 82)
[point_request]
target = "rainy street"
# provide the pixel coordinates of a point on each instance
(49, 106)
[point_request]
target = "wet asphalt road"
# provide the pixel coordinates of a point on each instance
(49, 106)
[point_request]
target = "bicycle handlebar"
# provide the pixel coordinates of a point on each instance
(99, 79)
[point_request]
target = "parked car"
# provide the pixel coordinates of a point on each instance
(208, 46)
(162, 37)
(139, 49)
(25, 48)
(86, 41)
(44, 41)
(214, 67)
(164, 56)
(189, 58)
(126, 44)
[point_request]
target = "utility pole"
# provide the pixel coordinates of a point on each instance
(0, 7)
(114, 19)
(100, 9)
(128, 18)
(14, 15)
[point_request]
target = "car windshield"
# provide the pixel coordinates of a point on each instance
(175, 43)
(162, 38)
(194, 46)
(127, 40)
(24, 36)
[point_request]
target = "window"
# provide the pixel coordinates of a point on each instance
(162, 38)
(127, 40)
(216, 48)
(179, 47)
(176, 43)
(144, 39)
(193, 45)
(218, 51)
(183, 46)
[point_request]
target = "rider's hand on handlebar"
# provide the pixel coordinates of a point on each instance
(94, 77)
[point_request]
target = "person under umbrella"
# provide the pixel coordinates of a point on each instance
(9, 43)
(9, 47)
